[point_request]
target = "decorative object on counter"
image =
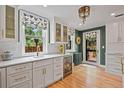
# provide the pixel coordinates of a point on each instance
(78, 40)
(7, 55)
(84, 12)
(62, 48)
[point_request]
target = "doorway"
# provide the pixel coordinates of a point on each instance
(91, 47)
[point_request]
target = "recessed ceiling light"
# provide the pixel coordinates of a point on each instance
(44, 5)
(112, 14)
(80, 24)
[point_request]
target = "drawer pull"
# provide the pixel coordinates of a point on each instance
(58, 65)
(58, 74)
(20, 68)
(20, 78)
(122, 68)
(43, 72)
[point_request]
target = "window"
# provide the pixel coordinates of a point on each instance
(33, 29)
(31, 35)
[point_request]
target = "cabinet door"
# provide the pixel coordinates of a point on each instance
(2, 78)
(38, 78)
(10, 22)
(48, 74)
(65, 33)
(122, 31)
(58, 32)
(1, 22)
(112, 32)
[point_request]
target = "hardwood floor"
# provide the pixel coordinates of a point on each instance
(87, 76)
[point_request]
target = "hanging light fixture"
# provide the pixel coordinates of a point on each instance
(84, 12)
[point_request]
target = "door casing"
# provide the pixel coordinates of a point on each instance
(97, 50)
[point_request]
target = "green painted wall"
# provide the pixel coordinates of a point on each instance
(79, 48)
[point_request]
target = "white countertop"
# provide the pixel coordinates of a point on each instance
(29, 59)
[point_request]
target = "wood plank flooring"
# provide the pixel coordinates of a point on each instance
(87, 76)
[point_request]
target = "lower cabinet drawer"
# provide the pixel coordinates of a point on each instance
(58, 65)
(58, 74)
(18, 78)
(58, 60)
(26, 84)
(18, 68)
(42, 63)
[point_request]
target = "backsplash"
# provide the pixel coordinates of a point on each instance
(53, 48)
(11, 46)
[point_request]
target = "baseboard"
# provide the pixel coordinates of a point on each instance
(103, 66)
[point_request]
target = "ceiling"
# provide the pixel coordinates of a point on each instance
(99, 15)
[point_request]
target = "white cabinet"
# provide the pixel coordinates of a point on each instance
(37, 74)
(19, 75)
(114, 64)
(1, 33)
(112, 32)
(115, 32)
(114, 47)
(61, 31)
(121, 31)
(38, 77)
(48, 74)
(43, 73)
(58, 68)
(3, 78)
(8, 22)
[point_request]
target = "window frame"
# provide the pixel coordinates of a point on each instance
(22, 38)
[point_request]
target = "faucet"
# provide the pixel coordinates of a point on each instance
(36, 40)
(38, 48)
